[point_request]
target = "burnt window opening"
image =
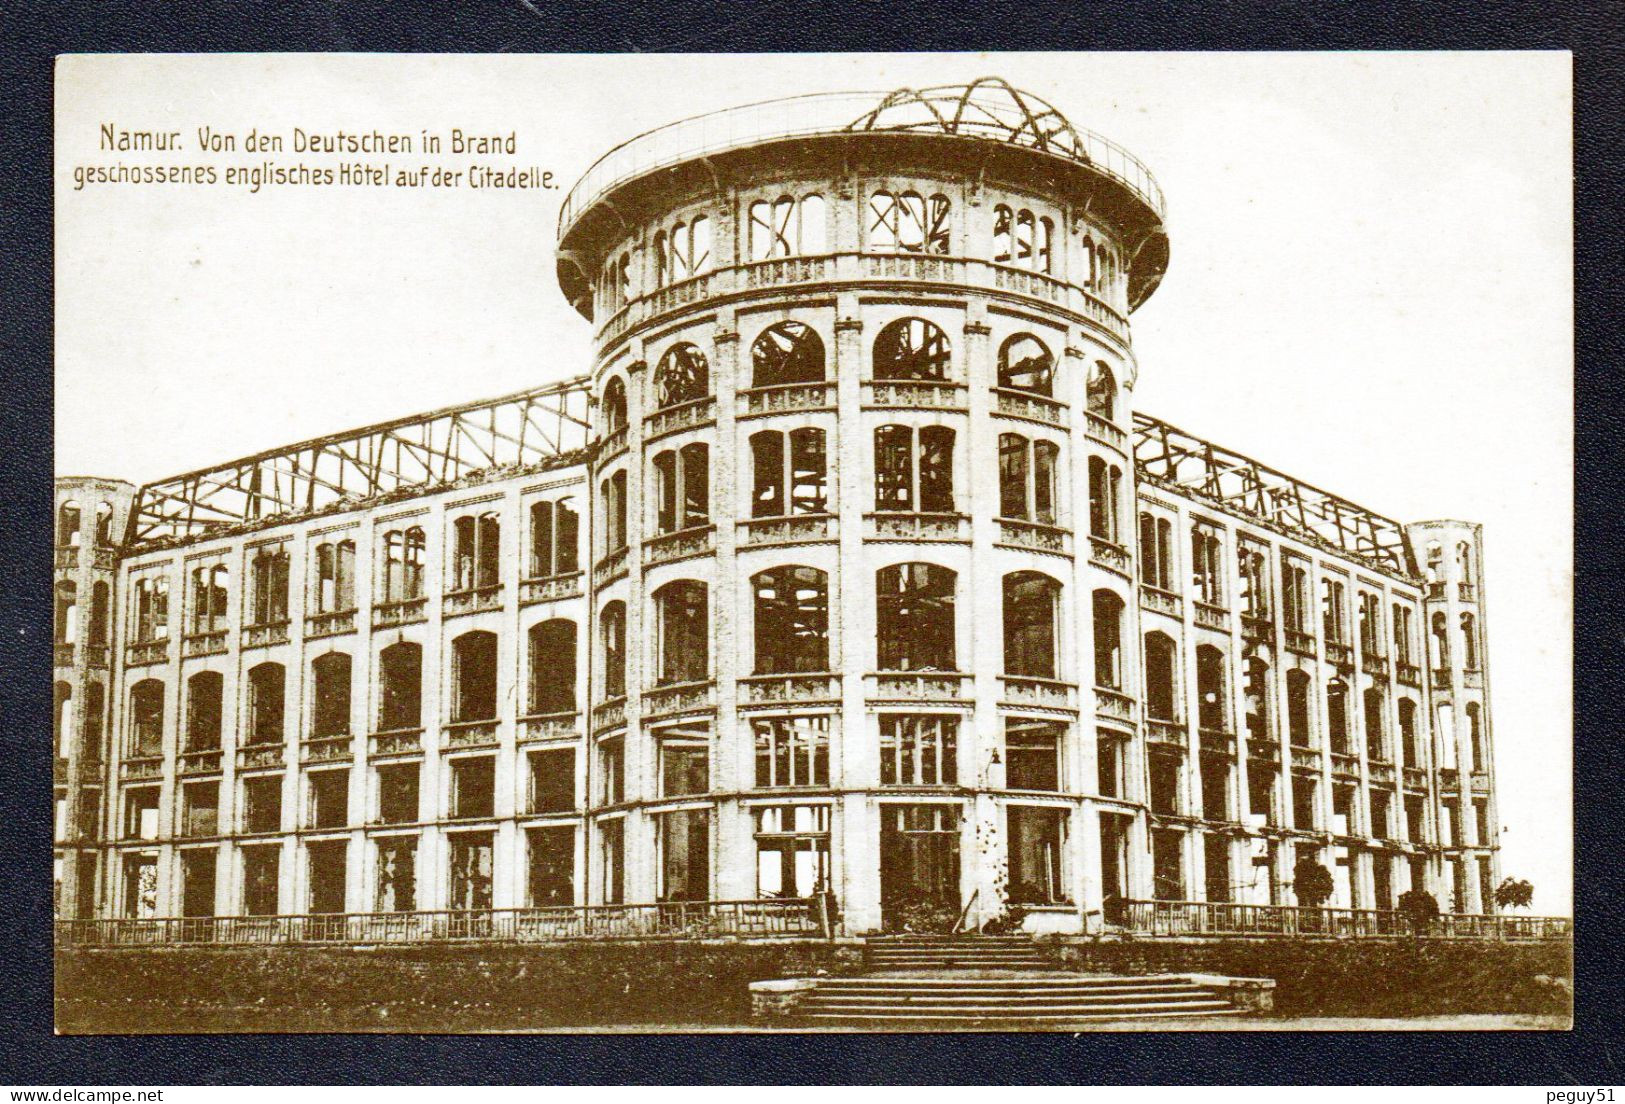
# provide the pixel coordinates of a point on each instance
(1164, 772)
(914, 469)
(612, 638)
(267, 692)
(1410, 745)
(1216, 867)
(1464, 561)
(614, 406)
(1334, 611)
(685, 763)
(98, 615)
(908, 223)
(200, 809)
(471, 870)
(140, 886)
(683, 638)
(1255, 580)
(791, 620)
(1161, 675)
(683, 375)
(919, 749)
(792, 850)
(328, 861)
(552, 658)
(141, 812)
(328, 798)
(62, 718)
(1337, 716)
(262, 803)
(397, 889)
(1475, 737)
(912, 349)
(209, 597)
(1256, 707)
(555, 535)
(914, 617)
(262, 871)
(1376, 731)
(477, 552)
(1101, 392)
(612, 493)
(1439, 629)
(1469, 642)
(335, 577)
(1026, 364)
(474, 677)
(1343, 817)
(1207, 566)
(204, 711)
(790, 473)
(1156, 551)
(1433, 564)
(1212, 708)
(1109, 764)
(1167, 864)
(199, 871)
(1298, 705)
(785, 354)
(1020, 238)
(400, 693)
(67, 613)
(1295, 595)
(1370, 617)
(146, 719)
(67, 525)
(612, 770)
(552, 780)
(685, 252)
(90, 740)
(403, 564)
(104, 524)
(330, 694)
(398, 793)
(1031, 612)
(1261, 793)
(1481, 818)
(682, 488)
(473, 787)
(1445, 749)
(1403, 634)
(268, 572)
(1381, 818)
(1415, 820)
(1215, 779)
(791, 751)
(1303, 802)
(612, 861)
(1037, 841)
(1032, 754)
(684, 860)
(1108, 618)
(786, 227)
(1027, 478)
(1105, 493)
(550, 881)
(151, 609)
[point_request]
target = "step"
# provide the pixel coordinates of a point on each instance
(1093, 1012)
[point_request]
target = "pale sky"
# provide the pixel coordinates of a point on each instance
(1370, 284)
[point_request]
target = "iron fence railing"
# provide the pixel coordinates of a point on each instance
(1220, 918)
(751, 919)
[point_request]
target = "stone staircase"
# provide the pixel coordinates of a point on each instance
(1012, 1000)
(942, 952)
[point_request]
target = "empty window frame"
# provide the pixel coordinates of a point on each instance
(330, 695)
(1027, 478)
(1207, 565)
(1439, 630)
(688, 250)
(1334, 610)
(1165, 773)
(267, 692)
(1337, 716)
(908, 223)
(400, 689)
(268, 572)
(200, 808)
(683, 639)
(1469, 642)
(914, 469)
(1110, 752)
(1107, 609)
(682, 488)
(141, 812)
(791, 620)
(1026, 364)
(209, 597)
(787, 227)
(1370, 623)
(614, 405)
(1410, 745)
(612, 493)
(474, 677)
(403, 564)
(550, 879)
(683, 375)
(327, 800)
(67, 613)
(1020, 238)
(146, 719)
(1033, 754)
(612, 639)
(472, 855)
(397, 886)
(476, 552)
(785, 354)
(914, 617)
(1031, 615)
(262, 872)
(919, 749)
(1254, 572)
(792, 850)
(1256, 700)
(612, 770)
(90, 740)
(551, 655)
(1156, 551)
(1479, 760)
(473, 787)
(555, 535)
(791, 751)
(151, 609)
(1101, 392)
(1404, 633)
(1295, 596)
(262, 803)
(67, 525)
(683, 840)
(1161, 677)
(552, 780)
(1105, 495)
(1037, 841)
(204, 711)
(1376, 728)
(1299, 708)
(912, 349)
(335, 576)
(1212, 701)
(62, 719)
(685, 762)
(789, 473)
(398, 792)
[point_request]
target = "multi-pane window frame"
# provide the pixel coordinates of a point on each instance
(210, 597)
(682, 637)
(683, 760)
(1105, 500)
(914, 469)
(904, 221)
(475, 563)
(1369, 605)
(915, 618)
(787, 831)
(790, 620)
(612, 495)
(683, 375)
(684, 251)
(268, 568)
(791, 750)
(1029, 479)
(150, 608)
(1022, 238)
(787, 226)
(1157, 565)
(402, 564)
(1296, 596)
(1035, 748)
(1207, 563)
(1334, 613)
(790, 468)
(682, 486)
(1253, 569)
(1404, 622)
(333, 586)
(919, 749)
(555, 535)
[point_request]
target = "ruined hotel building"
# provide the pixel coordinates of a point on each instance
(848, 568)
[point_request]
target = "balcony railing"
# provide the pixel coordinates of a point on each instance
(1217, 741)
(261, 636)
(395, 741)
(1435, 589)
(614, 443)
(1215, 918)
(790, 529)
(1345, 765)
(477, 600)
(929, 394)
(680, 545)
(1158, 600)
(252, 756)
(1340, 654)
(1464, 591)
(145, 653)
(407, 611)
(697, 412)
(1305, 758)
(1408, 673)
(1212, 617)
(1045, 692)
(206, 761)
(105, 558)
(916, 685)
(1441, 678)
(549, 726)
(461, 735)
(1374, 665)
(67, 556)
(1303, 643)
(1032, 408)
(334, 623)
(785, 270)
(788, 398)
(59, 770)
(610, 714)
(1257, 630)
(1103, 432)
(62, 655)
(1382, 774)
(1114, 705)
(206, 643)
(776, 918)
(135, 769)
(916, 527)
(550, 588)
(822, 687)
(611, 567)
(1165, 733)
(1113, 557)
(683, 697)
(1415, 778)
(1036, 536)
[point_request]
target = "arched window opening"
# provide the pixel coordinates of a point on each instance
(402, 565)
(477, 552)
(1370, 627)
(1161, 675)
(90, 741)
(911, 349)
(147, 719)
(1026, 364)
(62, 717)
(791, 620)
(1108, 616)
(1447, 737)
(1295, 596)
(914, 617)
(1464, 561)
(474, 677)
(682, 488)
(908, 223)
(1376, 732)
(612, 629)
(690, 249)
(1044, 252)
(1031, 610)
(1337, 716)
(67, 613)
(1439, 628)
(1469, 642)
(1102, 392)
(209, 598)
(330, 695)
(1475, 739)
(267, 689)
(1105, 492)
(683, 375)
(1207, 566)
(335, 577)
(553, 667)
(662, 259)
(1255, 689)
(1004, 222)
(1434, 563)
(1334, 611)
(1027, 478)
(1402, 633)
(623, 278)
(1254, 572)
(1212, 709)
(268, 578)
(204, 708)
(1091, 258)
(67, 525)
(789, 473)
(1156, 551)
(612, 492)
(682, 632)
(555, 533)
(400, 692)
(1299, 732)
(785, 228)
(151, 609)
(1409, 746)
(614, 406)
(914, 469)
(787, 353)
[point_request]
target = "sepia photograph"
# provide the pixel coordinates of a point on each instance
(908, 542)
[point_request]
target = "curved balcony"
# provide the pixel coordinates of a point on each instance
(681, 545)
(885, 526)
(914, 686)
(787, 529)
(1035, 536)
(786, 398)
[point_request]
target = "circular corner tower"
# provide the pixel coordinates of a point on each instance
(860, 577)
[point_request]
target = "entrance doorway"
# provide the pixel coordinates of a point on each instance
(919, 867)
